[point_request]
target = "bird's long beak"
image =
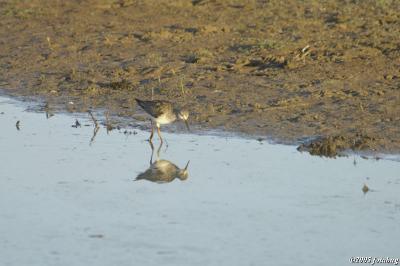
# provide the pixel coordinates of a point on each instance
(187, 125)
(186, 165)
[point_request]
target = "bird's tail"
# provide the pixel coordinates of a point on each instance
(140, 102)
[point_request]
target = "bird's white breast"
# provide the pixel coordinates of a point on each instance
(164, 119)
(162, 165)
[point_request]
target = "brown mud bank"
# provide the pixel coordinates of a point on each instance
(288, 70)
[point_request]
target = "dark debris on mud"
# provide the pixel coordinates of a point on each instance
(333, 146)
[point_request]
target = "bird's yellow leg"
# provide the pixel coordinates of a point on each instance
(159, 134)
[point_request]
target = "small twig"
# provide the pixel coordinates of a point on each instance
(303, 53)
(46, 109)
(182, 87)
(49, 115)
(96, 127)
(96, 124)
(361, 107)
(49, 43)
(109, 126)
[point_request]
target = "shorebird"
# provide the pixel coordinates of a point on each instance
(162, 112)
(163, 171)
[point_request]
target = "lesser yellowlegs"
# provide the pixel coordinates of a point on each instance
(163, 171)
(162, 112)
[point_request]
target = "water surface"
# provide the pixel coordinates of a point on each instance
(67, 201)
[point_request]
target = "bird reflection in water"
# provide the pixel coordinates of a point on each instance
(162, 171)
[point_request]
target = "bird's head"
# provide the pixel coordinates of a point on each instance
(184, 115)
(183, 173)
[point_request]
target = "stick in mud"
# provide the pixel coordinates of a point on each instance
(96, 127)
(46, 108)
(96, 124)
(109, 126)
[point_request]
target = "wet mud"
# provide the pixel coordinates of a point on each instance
(333, 146)
(290, 70)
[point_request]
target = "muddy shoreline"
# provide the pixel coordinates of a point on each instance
(289, 71)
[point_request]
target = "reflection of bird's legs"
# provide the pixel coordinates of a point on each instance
(159, 134)
(158, 151)
(152, 151)
(152, 131)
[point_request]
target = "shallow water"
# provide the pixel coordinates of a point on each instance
(66, 201)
